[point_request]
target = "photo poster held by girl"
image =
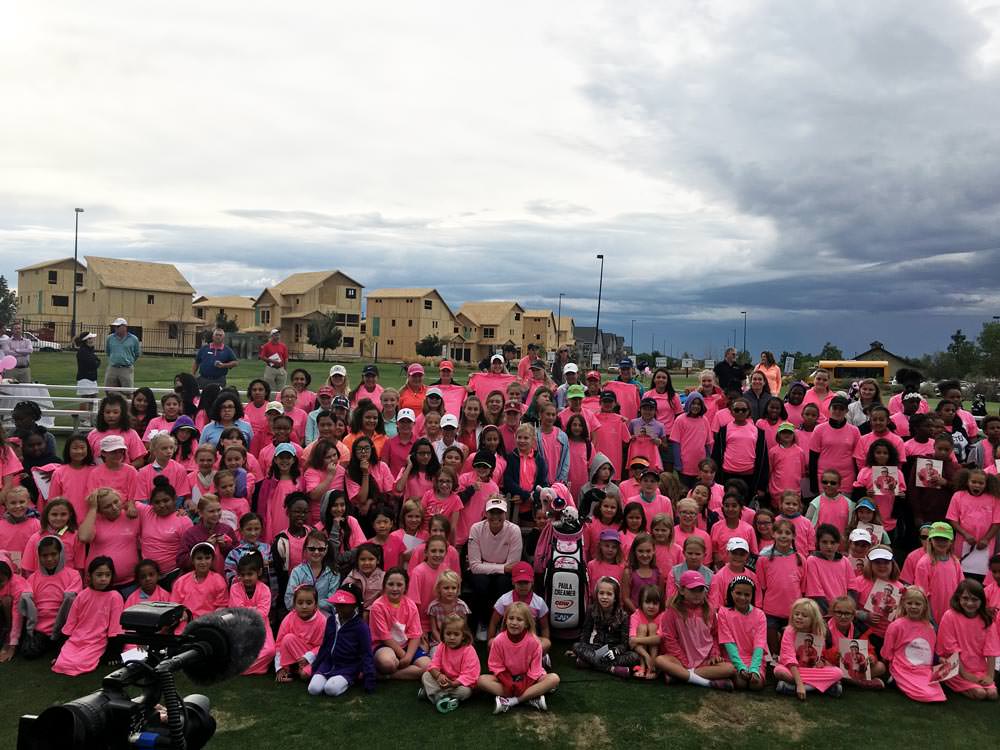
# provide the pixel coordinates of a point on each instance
(854, 662)
(886, 480)
(929, 472)
(807, 651)
(947, 668)
(875, 530)
(882, 599)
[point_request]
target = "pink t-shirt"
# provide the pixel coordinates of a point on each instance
(394, 622)
(521, 657)
(174, 473)
(421, 589)
(748, 632)
(588, 417)
(939, 579)
(680, 536)
(835, 447)
(597, 569)
(689, 639)
(459, 664)
(121, 480)
(667, 556)
(416, 484)
(787, 466)
(694, 437)
(160, 536)
(609, 439)
(552, 449)
(305, 400)
(972, 639)
(909, 649)
(805, 533)
(822, 402)
(628, 397)
(652, 508)
(884, 500)
(835, 511)
(881, 604)
(473, 510)
(865, 441)
(119, 540)
(48, 590)
(14, 536)
(975, 514)
(721, 418)
(667, 409)
(909, 572)
(134, 448)
(720, 584)
(770, 431)
(484, 383)
(917, 449)
(721, 534)
(741, 448)
(434, 505)
(828, 578)
(782, 580)
(201, 597)
(71, 483)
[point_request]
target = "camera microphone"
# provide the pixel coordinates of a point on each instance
(225, 643)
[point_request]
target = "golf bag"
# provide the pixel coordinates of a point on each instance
(559, 558)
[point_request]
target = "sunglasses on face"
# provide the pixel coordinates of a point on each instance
(316, 549)
(739, 410)
(829, 482)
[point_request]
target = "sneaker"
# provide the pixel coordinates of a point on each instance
(539, 703)
(502, 705)
(784, 688)
(482, 634)
(873, 684)
(546, 662)
(726, 685)
(835, 691)
(421, 693)
(446, 704)
(620, 671)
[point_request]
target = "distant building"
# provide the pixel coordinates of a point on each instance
(45, 290)
(304, 297)
(237, 309)
(878, 352)
(567, 332)
(396, 319)
(539, 329)
(487, 327)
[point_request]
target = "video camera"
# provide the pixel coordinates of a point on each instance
(211, 648)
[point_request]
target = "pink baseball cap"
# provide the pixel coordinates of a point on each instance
(446, 365)
(692, 579)
(113, 443)
(341, 596)
(415, 369)
(522, 572)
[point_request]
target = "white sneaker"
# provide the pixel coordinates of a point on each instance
(546, 662)
(482, 634)
(502, 705)
(539, 703)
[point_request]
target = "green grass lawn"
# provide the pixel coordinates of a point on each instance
(588, 711)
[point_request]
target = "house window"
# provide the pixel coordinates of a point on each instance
(60, 300)
(340, 319)
(409, 324)
(79, 279)
(428, 304)
(200, 312)
(298, 332)
(456, 329)
(538, 337)
(517, 316)
(348, 341)
(390, 342)
(53, 277)
(489, 333)
(392, 322)
(353, 320)
(172, 331)
(434, 324)
(351, 293)
(265, 315)
(150, 299)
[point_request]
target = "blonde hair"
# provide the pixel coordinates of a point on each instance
(158, 438)
(21, 490)
(446, 576)
(520, 609)
(663, 519)
(456, 619)
(527, 429)
(817, 626)
(408, 507)
(694, 539)
(914, 592)
(707, 374)
(205, 499)
(205, 448)
(101, 493)
(686, 503)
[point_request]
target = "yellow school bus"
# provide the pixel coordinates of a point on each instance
(843, 372)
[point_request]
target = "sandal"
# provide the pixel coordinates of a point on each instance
(283, 676)
(639, 671)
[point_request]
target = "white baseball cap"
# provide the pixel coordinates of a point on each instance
(90, 336)
(274, 331)
(434, 391)
(338, 370)
(879, 553)
(113, 443)
(860, 535)
(274, 406)
(737, 542)
(406, 414)
(496, 503)
(120, 322)
(570, 367)
(449, 420)
(497, 357)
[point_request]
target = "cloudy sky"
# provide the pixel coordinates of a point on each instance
(830, 167)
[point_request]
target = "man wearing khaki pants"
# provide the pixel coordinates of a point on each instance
(274, 354)
(123, 349)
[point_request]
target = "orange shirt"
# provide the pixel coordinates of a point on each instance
(410, 399)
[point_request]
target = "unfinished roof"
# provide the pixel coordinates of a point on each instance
(300, 283)
(234, 301)
(139, 274)
(47, 263)
(401, 293)
(487, 313)
(537, 313)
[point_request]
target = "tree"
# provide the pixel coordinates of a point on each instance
(829, 351)
(429, 346)
(324, 334)
(8, 304)
(989, 345)
(964, 354)
(223, 322)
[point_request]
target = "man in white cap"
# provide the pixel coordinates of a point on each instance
(494, 546)
(571, 376)
(274, 355)
(123, 349)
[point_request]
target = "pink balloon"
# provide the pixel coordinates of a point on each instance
(8, 363)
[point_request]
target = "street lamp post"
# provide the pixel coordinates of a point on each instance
(559, 319)
(631, 342)
(600, 288)
(76, 237)
(744, 314)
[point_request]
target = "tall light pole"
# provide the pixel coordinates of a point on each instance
(559, 319)
(631, 343)
(744, 314)
(76, 237)
(600, 288)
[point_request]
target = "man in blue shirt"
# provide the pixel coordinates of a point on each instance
(213, 360)
(122, 349)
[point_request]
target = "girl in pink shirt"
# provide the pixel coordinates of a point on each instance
(608, 559)
(666, 551)
(186, 435)
(250, 592)
(787, 462)
(442, 500)
(233, 508)
(774, 416)
(877, 592)
(580, 450)
(841, 625)
(161, 448)
(687, 525)
(111, 532)
(640, 572)
(781, 575)
(58, 520)
(829, 574)
(112, 419)
(454, 668)
(690, 438)
(633, 524)
(974, 511)
(688, 627)
(515, 664)
(880, 422)
(202, 590)
(437, 526)
(424, 577)
(93, 620)
(289, 544)
(668, 405)
(831, 507)
(740, 449)
(729, 527)
(820, 393)
(343, 531)
(396, 548)
(644, 631)
(832, 446)
(396, 631)
(791, 511)
(162, 527)
(613, 433)
(763, 527)
(113, 472)
(283, 480)
(940, 572)
(968, 629)
(607, 515)
(51, 588)
(368, 574)
(299, 637)
(743, 633)
(202, 480)
(323, 473)
(70, 479)
(474, 488)
(171, 406)
(417, 476)
(16, 526)
(909, 648)
(876, 481)
(734, 568)
(147, 576)
(801, 668)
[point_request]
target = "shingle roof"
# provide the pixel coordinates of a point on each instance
(235, 301)
(401, 293)
(537, 313)
(300, 283)
(139, 274)
(46, 263)
(485, 313)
